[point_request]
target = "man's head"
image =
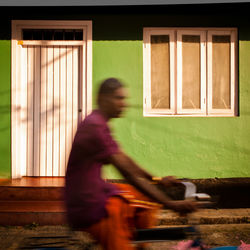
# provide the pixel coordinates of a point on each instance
(111, 98)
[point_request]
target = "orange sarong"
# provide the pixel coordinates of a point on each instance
(115, 231)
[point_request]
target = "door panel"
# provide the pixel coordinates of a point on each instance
(52, 107)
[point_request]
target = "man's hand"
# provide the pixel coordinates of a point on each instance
(183, 207)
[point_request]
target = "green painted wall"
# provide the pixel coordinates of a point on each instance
(5, 165)
(191, 147)
(184, 146)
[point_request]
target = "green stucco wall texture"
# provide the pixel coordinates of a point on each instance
(5, 152)
(192, 147)
(203, 147)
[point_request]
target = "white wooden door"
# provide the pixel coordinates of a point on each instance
(51, 91)
(52, 77)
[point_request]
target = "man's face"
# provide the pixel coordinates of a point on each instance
(116, 102)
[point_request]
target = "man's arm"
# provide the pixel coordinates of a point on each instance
(166, 181)
(142, 181)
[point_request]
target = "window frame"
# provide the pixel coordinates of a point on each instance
(147, 71)
(206, 97)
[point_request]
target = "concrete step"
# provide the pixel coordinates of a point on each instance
(19, 213)
(32, 189)
(10, 193)
(34, 182)
(32, 200)
(32, 206)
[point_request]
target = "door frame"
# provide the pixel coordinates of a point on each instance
(18, 168)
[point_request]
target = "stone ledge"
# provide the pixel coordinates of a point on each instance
(206, 216)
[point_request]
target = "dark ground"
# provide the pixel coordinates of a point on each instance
(21, 237)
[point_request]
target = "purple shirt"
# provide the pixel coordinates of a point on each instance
(86, 192)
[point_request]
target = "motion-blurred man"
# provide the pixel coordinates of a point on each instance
(105, 210)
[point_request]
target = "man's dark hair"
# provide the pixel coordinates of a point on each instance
(109, 85)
